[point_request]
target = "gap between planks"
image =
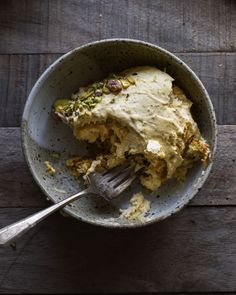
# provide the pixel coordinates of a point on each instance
(56, 26)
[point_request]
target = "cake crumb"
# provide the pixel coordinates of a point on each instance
(136, 211)
(50, 169)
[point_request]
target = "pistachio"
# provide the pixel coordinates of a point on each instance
(98, 93)
(97, 85)
(77, 105)
(131, 80)
(98, 99)
(61, 104)
(114, 85)
(88, 97)
(105, 90)
(86, 94)
(68, 111)
(92, 104)
(84, 104)
(125, 83)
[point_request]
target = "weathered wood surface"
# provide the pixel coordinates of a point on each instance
(17, 188)
(218, 74)
(193, 251)
(40, 26)
(18, 73)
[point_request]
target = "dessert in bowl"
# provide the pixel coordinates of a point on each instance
(126, 101)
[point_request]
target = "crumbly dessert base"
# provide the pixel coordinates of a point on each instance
(109, 137)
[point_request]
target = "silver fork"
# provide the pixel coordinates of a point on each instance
(108, 185)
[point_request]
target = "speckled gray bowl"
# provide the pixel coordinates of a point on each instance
(42, 135)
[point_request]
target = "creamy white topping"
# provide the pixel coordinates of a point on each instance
(150, 117)
(151, 110)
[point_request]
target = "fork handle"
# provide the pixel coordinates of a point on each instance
(9, 233)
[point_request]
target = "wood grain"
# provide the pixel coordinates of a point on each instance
(17, 188)
(18, 73)
(217, 72)
(193, 251)
(41, 26)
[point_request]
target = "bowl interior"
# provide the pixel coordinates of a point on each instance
(43, 136)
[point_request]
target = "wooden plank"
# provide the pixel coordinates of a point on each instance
(220, 188)
(10, 254)
(40, 26)
(217, 72)
(17, 189)
(193, 251)
(18, 73)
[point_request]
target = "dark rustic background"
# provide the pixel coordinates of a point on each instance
(194, 251)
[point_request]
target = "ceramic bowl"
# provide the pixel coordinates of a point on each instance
(42, 136)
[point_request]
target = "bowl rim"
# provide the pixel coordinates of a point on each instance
(50, 69)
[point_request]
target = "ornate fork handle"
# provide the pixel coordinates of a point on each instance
(9, 233)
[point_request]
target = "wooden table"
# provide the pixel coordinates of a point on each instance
(193, 251)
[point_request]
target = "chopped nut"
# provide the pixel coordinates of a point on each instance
(95, 86)
(77, 105)
(114, 85)
(125, 83)
(92, 104)
(105, 90)
(131, 80)
(61, 104)
(86, 94)
(97, 99)
(98, 93)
